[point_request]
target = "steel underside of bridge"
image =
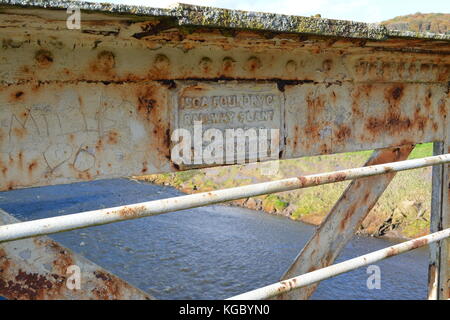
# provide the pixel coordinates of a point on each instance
(102, 102)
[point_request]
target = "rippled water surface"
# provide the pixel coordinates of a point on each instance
(205, 253)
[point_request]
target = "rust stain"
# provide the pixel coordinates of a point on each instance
(109, 288)
(338, 177)
(315, 106)
(25, 285)
(19, 132)
(253, 64)
(343, 134)
(128, 212)
(33, 165)
(150, 106)
(104, 63)
(113, 137)
(391, 252)
(144, 167)
(228, 65)
(99, 145)
(84, 175)
(345, 221)
(44, 58)
(393, 120)
(419, 243)
(17, 96)
(431, 277)
(395, 93)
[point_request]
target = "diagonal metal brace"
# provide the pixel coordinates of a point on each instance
(343, 220)
(40, 268)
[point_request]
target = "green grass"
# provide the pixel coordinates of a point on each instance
(422, 150)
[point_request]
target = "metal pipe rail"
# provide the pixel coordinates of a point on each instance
(86, 219)
(339, 268)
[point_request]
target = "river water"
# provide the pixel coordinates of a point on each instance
(206, 253)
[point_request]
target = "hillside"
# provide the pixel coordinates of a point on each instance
(421, 22)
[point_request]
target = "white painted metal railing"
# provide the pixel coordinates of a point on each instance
(339, 268)
(151, 208)
(40, 227)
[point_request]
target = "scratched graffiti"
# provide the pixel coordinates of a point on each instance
(56, 136)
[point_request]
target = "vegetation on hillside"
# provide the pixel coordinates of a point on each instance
(402, 212)
(421, 22)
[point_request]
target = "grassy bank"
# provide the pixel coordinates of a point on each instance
(403, 211)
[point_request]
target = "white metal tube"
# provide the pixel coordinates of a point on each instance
(104, 216)
(339, 268)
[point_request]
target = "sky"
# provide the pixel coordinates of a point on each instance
(357, 10)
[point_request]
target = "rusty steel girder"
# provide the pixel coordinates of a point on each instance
(39, 268)
(103, 101)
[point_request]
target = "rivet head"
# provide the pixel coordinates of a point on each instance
(327, 65)
(228, 64)
(205, 64)
(253, 64)
(106, 60)
(161, 62)
(291, 66)
(44, 58)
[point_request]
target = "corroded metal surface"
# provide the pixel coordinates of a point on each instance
(439, 266)
(191, 15)
(100, 102)
(342, 222)
(103, 101)
(39, 268)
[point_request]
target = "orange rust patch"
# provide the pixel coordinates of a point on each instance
(33, 165)
(419, 243)
(26, 286)
(338, 177)
(343, 134)
(19, 132)
(128, 212)
(348, 215)
(316, 106)
(105, 63)
(17, 96)
(44, 58)
(85, 175)
(253, 64)
(393, 120)
(228, 65)
(150, 106)
(303, 181)
(20, 156)
(3, 168)
(113, 137)
(99, 145)
(144, 167)
(110, 287)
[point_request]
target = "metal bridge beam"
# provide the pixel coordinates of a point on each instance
(438, 270)
(104, 101)
(342, 222)
(40, 268)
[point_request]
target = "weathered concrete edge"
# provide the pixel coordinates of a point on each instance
(190, 15)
